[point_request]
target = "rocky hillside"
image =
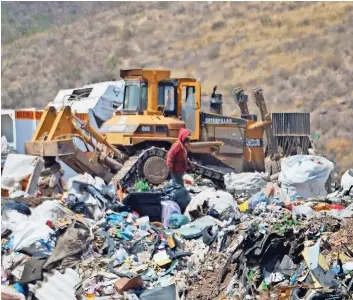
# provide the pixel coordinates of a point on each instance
(300, 53)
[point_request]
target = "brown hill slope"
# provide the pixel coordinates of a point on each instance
(300, 53)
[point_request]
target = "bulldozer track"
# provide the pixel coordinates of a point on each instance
(133, 164)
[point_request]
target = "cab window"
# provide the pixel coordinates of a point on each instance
(167, 97)
(188, 94)
(131, 97)
(143, 97)
(135, 97)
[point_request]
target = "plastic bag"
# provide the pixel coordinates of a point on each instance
(30, 233)
(177, 220)
(168, 208)
(251, 183)
(220, 201)
(141, 186)
(19, 206)
(50, 210)
(305, 175)
(244, 206)
(347, 181)
(69, 247)
(177, 193)
(258, 198)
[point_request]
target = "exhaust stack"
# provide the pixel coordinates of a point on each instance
(216, 102)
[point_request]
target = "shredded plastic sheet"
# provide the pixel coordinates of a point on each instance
(28, 230)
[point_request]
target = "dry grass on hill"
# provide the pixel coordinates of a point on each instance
(299, 52)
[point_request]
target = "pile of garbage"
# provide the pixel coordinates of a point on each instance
(255, 239)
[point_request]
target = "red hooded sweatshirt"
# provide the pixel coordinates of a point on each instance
(177, 160)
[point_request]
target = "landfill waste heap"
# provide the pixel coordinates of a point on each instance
(256, 239)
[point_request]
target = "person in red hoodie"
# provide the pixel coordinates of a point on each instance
(177, 160)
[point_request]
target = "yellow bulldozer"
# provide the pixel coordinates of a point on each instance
(134, 142)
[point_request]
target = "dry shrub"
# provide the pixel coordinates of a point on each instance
(217, 25)
(247, 53)
(339, 145)
(110, 29)
(51, 41)
(213, 53)
(177, 9)
(126, 34)
(163, 5)
(334, 62)
(266, 21)
(296, 81)
(284, 74)
(304, 22)
(298, 103)
(318, 98)
(337, 29)
(252, 64)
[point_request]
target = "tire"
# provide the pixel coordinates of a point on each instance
(155, 170)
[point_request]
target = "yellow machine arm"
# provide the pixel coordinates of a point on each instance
(54, 137)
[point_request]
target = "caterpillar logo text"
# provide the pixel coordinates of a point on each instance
(218, 120)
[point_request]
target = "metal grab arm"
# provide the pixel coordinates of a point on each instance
(99, 137)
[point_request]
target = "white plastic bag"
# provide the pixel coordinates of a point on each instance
(28, 231)
(251, 183)
(221, 201)
(51, 210)
(347, 181)
(305, 175)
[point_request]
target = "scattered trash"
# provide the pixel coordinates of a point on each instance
(177, 220)
(125, 284)
(21, 173)
(177, 193)
(258, 239)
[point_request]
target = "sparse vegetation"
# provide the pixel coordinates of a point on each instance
(213, 53)
(299, 52)
(217, 25)
(334, 62)
(266, 21)
(305, 22)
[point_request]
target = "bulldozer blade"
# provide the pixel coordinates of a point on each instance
(211, 161)
(67, 151)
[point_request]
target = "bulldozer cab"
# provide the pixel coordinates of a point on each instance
(153, 92)
(190, 100)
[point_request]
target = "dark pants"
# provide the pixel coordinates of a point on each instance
(178, 177)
